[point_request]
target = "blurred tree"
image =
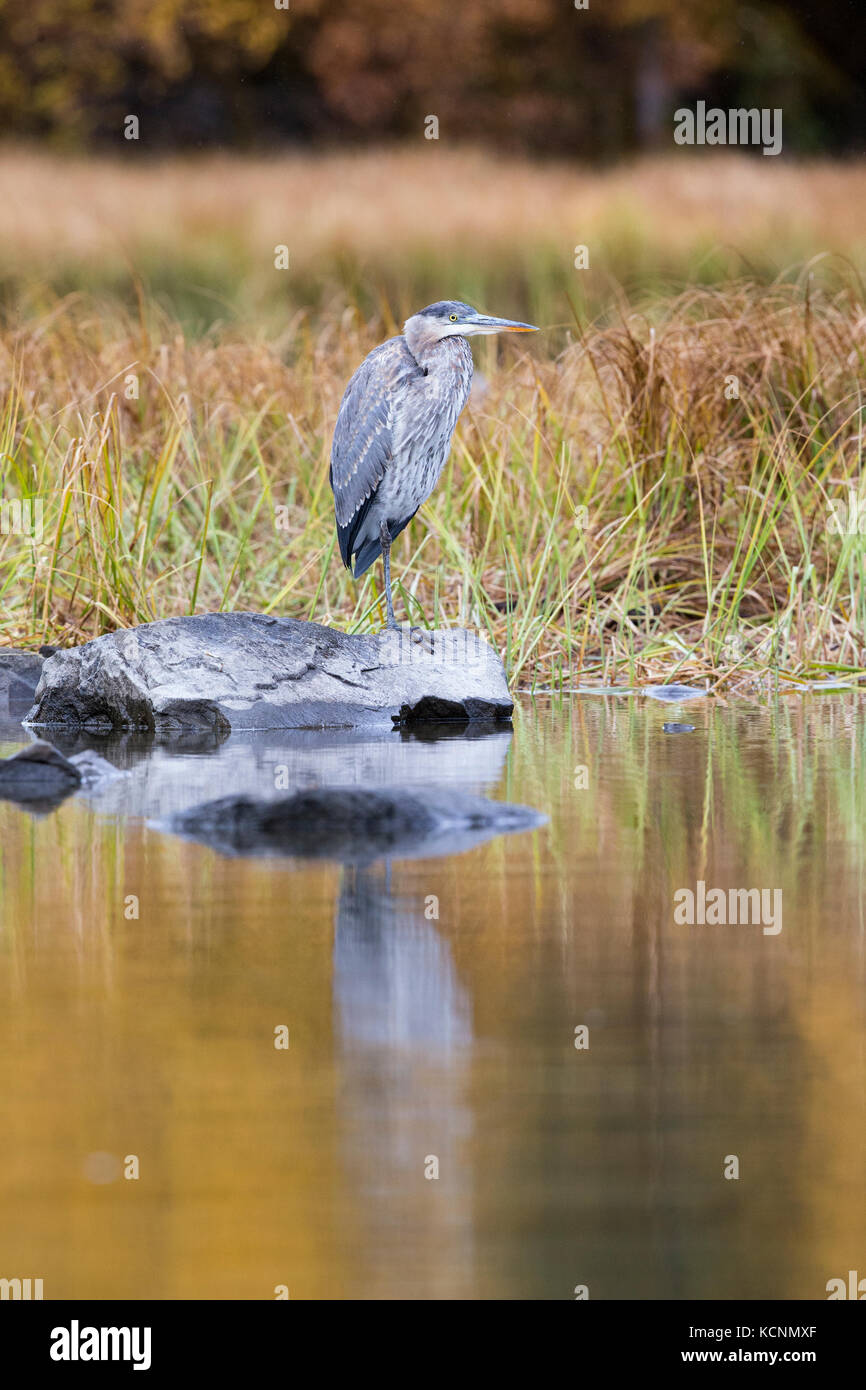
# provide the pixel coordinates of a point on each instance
(537, 74)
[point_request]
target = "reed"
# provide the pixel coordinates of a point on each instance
(666, 488)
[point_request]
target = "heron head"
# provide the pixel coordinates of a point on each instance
(451, 317)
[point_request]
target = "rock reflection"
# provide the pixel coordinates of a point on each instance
(353, 825)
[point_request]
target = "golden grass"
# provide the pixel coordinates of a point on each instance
(616, 508)
(609, 513)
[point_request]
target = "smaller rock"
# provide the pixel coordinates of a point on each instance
(39, 775)
(678, 728)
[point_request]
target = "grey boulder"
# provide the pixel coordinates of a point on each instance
(226, 671)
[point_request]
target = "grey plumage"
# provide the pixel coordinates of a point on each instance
(395, 426)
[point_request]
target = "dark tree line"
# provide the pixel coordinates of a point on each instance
(541, 75)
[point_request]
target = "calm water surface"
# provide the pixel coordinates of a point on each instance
(416, 1036)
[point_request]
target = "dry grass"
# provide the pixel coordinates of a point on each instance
(614, 510)
(609, 512)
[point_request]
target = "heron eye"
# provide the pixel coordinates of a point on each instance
(453, 318)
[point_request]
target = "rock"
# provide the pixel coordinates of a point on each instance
(19, 677)
(39, 775)
(352, 824)
(247, 671)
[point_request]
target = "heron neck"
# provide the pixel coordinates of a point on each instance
(424, 341)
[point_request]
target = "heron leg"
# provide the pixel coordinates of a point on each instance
(385, 542)
(417, 634)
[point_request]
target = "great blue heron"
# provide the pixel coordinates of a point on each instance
(394, 430)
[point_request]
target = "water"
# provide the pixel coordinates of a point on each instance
(416, 1036)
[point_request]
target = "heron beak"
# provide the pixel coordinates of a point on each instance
(484, 323)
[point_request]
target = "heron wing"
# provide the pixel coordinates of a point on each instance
(364, 435)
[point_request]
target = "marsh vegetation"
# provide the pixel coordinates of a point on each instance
(666, 484)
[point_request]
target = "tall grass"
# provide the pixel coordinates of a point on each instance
(644, 492)
(653, 501)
